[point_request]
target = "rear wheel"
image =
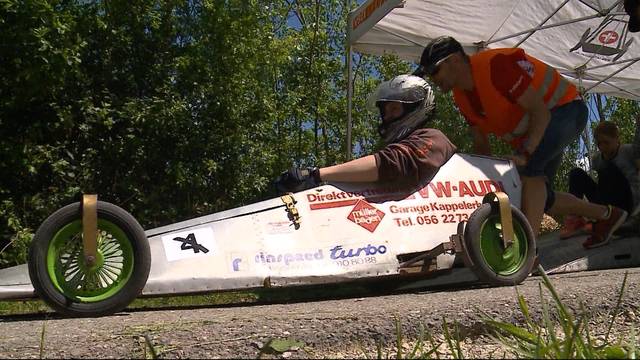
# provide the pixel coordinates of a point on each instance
(484, 247)
(65, 281)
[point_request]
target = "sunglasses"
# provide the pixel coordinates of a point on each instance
(433, 69)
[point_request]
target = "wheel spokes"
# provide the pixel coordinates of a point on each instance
(83, 280)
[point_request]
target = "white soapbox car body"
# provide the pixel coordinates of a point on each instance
(92, 258)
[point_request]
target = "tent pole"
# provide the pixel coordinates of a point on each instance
(599, 107)
(349, 100)
(543, 22)
(349, 85)
(613, 63)
(610, 75)
(544, 28)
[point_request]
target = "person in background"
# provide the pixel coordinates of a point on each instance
(412, 153)
(528, 104)
(617, 166)
(632, 8)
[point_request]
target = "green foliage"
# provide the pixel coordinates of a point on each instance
(424, 347)
(169, 109)
(176, 109)
(572, 339)
(279, 346)
(560, 334)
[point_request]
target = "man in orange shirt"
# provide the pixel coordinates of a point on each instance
(528, 104)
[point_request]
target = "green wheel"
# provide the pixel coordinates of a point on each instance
(63, 279)
(485, 251)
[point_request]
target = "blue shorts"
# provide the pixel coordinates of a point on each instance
(565, 126)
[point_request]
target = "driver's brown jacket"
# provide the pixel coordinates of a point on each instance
(415, 159)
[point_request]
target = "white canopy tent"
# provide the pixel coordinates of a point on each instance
(586, 40)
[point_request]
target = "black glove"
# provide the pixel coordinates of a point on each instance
(296, 179)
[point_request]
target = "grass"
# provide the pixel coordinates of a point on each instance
(36, 306)
(254, 296)
(563, 334)
(559, 334)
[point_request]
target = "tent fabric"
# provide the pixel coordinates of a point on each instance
(586, 40)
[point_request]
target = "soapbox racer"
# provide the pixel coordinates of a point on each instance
(92, 258)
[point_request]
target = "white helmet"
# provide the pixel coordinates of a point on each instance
(418, 102)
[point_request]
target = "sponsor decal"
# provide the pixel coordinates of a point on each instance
(336, 199)
(348, 257)
(609, 40)
(608, 37)
(463, 188)
(236, 264)
(288, 258)
(189, 244)
(340, 255)
(439, 189)
(447, 213)
(366, 215)
(363, 15)
(337, 252)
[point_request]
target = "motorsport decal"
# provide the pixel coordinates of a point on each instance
(424, 214)
(364, 14)
(609, 40)
(336, 199)
(433, 190)
(189, 244)
(366, 215)
(344, 256)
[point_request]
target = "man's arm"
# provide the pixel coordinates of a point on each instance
(363, 169)
(539, 116)
(480, 142)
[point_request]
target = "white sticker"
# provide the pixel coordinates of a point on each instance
(189, 244)
(279, 227)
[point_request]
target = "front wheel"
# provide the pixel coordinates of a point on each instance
(63, 279)
(484, 248)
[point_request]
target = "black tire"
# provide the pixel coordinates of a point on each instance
(61, 277)
(485, 251)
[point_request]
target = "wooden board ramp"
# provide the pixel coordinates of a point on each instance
(557, 256)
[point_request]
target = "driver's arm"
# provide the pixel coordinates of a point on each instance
(417, 157)
(363, 169)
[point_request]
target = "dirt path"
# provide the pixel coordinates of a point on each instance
(330, 328)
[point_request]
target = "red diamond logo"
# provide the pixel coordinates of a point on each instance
(365, 215)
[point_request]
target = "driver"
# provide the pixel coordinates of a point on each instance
(412, 153)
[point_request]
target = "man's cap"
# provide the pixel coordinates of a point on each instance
(631, 8)
(435, 52)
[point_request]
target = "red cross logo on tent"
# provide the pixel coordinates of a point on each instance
(608, 37)
(365, 215)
